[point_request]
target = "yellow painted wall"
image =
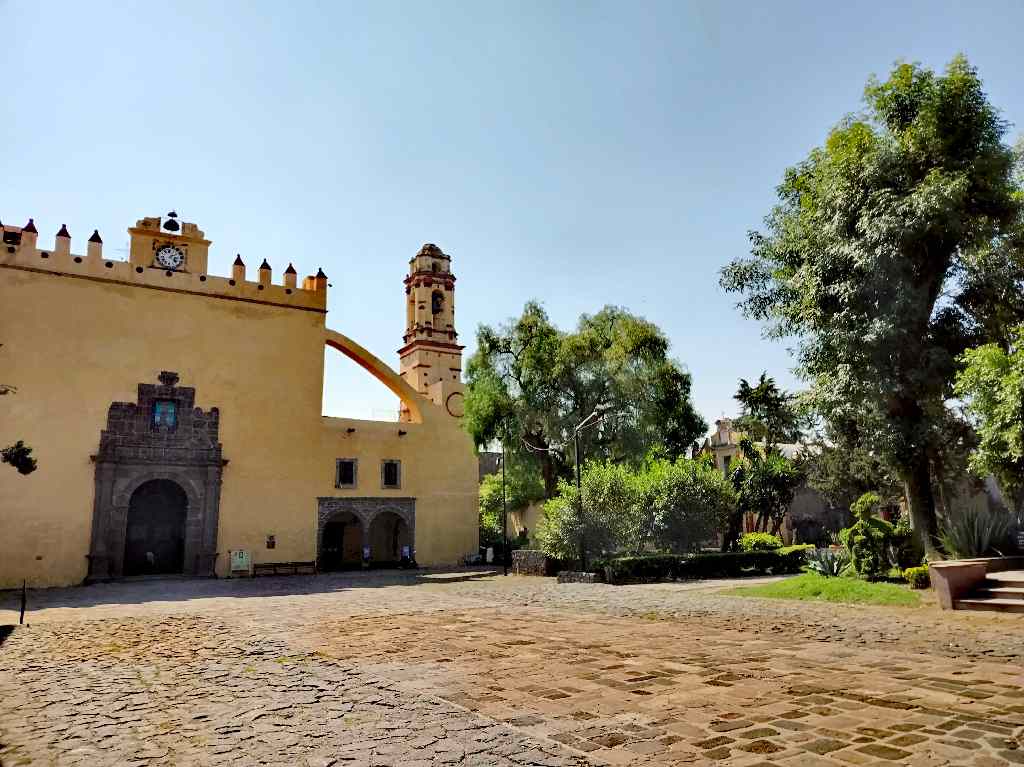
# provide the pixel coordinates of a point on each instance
(73, 345)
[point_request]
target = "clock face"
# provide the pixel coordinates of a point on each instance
(170, 257)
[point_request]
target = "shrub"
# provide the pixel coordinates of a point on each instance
(869, 540)
(660, 567)
(689, 501)
(611, 517)
(904, 549)
(668, 506)
(828, 562)
(760, 542)
(917, 577)
(975, 533)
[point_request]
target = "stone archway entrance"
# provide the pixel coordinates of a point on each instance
(341, 543)
(388, 535)
(155, 538)
(158, 475)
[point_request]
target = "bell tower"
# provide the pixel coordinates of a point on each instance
(431, 358)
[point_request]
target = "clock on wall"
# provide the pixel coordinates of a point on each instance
(170, 257)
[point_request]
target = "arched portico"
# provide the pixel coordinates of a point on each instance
(385, 525)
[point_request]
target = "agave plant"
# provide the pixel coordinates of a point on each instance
(828, 562)
(975, 533)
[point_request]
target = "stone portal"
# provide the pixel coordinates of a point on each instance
(153, 452)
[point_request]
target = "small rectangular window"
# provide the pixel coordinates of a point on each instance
(391, 474)
(346, 473)
(165, 414)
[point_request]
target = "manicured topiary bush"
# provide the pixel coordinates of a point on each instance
(869, 540)
(760, 542)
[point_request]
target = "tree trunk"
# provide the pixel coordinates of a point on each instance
(922, 506)
(549, 475)
(732, 534)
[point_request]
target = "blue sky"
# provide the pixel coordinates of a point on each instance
(579, 154)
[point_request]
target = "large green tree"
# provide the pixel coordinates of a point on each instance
(869, 258)
(767, 413)
(992, 383)
(529, 384)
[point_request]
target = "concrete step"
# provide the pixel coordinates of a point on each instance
(991, 604)
(1007, 577)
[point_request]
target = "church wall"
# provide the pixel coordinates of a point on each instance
(72, 346)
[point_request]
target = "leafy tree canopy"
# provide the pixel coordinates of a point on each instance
(767, 414)
(879, 261)
(529, 384)
(992, 383)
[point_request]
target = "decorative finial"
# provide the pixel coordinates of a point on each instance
(264, 265)
(238, 260)
(167, 378)
(290, 269)
(64, 231)
(30, 227)
(320, 274)
(96, 236)
(171, 225)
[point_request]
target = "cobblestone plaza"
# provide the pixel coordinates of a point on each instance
(477, 669)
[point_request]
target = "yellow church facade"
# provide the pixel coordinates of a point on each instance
(176, 418)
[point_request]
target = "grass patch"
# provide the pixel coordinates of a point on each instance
(814, 588)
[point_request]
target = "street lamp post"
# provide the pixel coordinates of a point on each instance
(579, 497)
(504, 515)
(590, 420)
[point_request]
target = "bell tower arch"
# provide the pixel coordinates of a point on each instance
(431, 357)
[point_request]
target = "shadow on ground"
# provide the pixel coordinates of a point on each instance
(166, 589)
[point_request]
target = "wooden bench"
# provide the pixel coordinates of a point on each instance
(284, 568)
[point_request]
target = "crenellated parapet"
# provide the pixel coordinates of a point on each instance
(171, 256)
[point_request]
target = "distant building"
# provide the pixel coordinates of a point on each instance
(810, 517)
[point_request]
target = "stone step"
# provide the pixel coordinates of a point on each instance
(992, 604)
(996, 590)
(1007, 577)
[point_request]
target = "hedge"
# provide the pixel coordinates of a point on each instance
(662, 567)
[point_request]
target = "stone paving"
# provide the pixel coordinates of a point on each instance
(406, 670)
